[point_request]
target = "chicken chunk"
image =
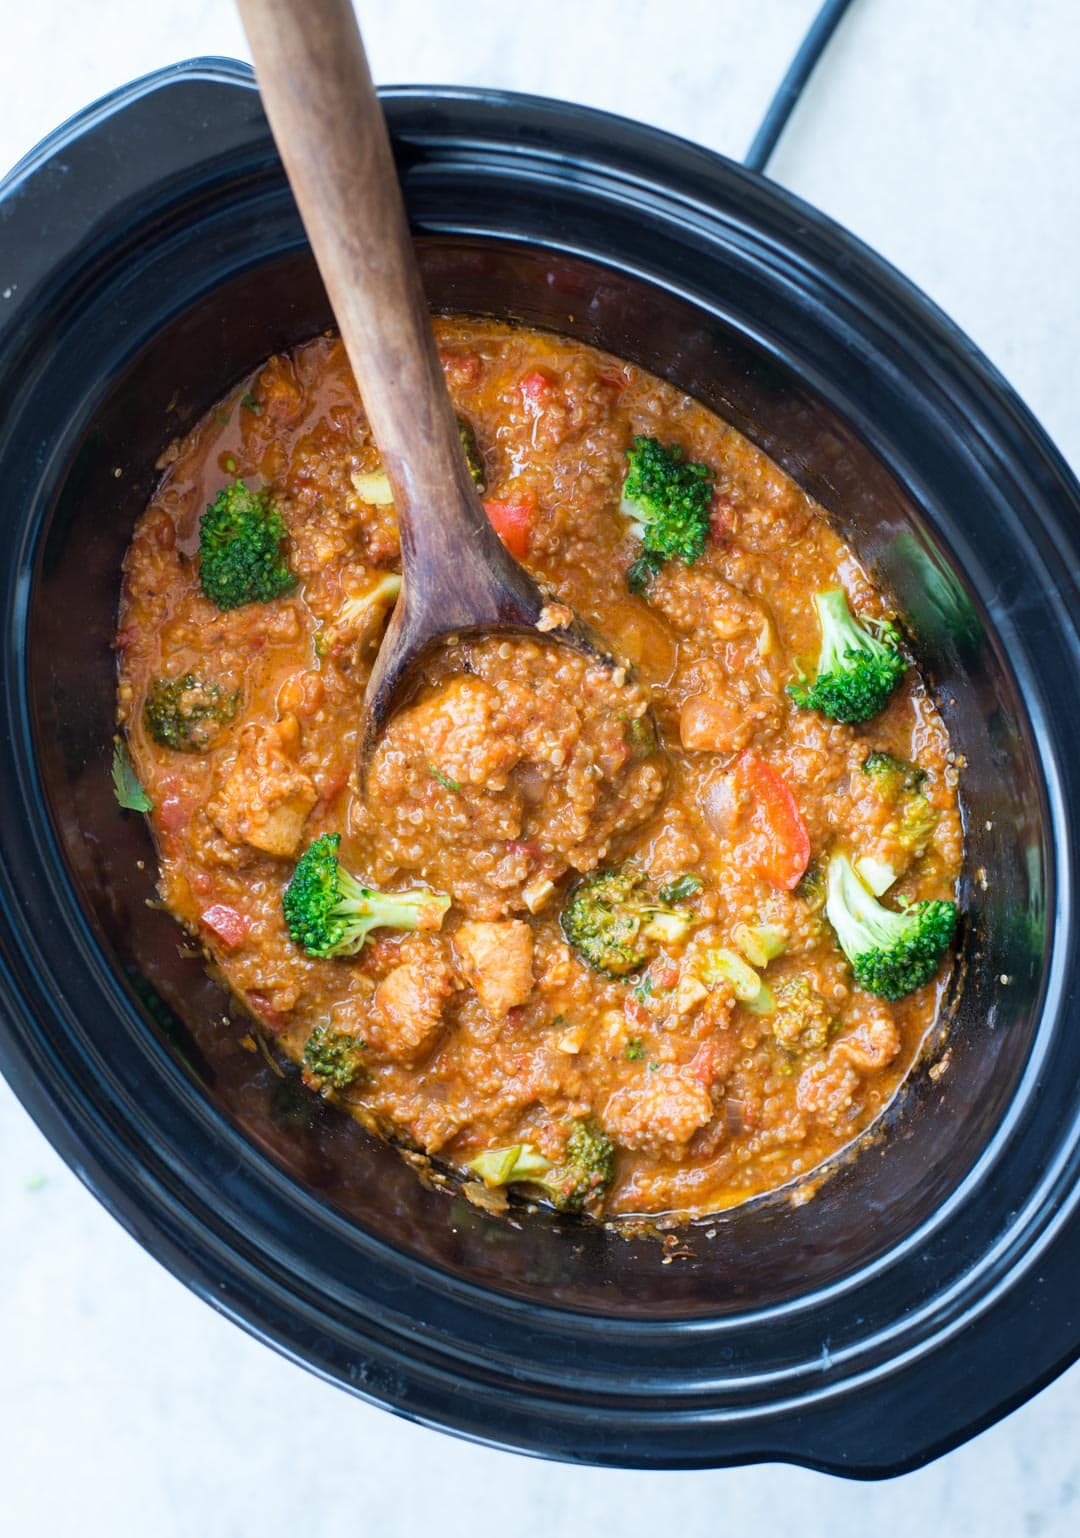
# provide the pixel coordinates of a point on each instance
(266, 798)
(662, 1116)
(826, 1089)
(407, 1019)
(871, 1045)
(497, 960)
(460, 730)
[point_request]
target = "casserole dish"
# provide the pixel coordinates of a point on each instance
(152, 255)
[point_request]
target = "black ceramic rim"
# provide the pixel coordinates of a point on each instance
(678, 1393)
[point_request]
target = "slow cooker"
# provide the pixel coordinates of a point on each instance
(151, 256)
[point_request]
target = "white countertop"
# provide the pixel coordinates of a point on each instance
(947, 135)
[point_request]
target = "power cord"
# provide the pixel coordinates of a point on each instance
(791, 87)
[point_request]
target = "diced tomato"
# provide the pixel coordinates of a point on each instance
(664, 972)
(512, 522)
(461, 368)
(518, 846)
(174, 810)
(230, 926)
(721, 516)
(265, 1011)
(535, 390)
(782, 850)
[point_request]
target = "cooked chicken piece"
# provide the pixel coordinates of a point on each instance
(461, 731)
(497, 960)
(266, 799)
(662, 1116)
(407, 1018)
(871, 1045)
(827, 1089)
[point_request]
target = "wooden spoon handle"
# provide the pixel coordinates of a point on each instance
(317, 90)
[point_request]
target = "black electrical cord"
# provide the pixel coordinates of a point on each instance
(791, 87)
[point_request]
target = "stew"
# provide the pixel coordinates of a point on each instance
(631, 945)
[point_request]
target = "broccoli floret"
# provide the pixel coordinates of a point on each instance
(893, 775)
(373, 486)
(187, 713)
(902, 785)
(615, 923)
(586, 1171)
(760, 943)
(641, 572)
(332, 1059)
(718, 964)
(811, 887)
(329, 913)
(666, 497)
(859, 666)
(472, 453)
(680, 888)
(358, 617)
(891, 954)
(241, 559)
(801, 1021)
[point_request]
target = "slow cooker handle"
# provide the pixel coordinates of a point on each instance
(139, 151)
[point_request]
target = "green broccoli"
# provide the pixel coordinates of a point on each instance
(586, 1171)
(891, 954)
(615, 924)
(373, 487)
(332, 1059)
(187, 713)
(760, 943)
(667, 498)
(892, 775)
(329, 913)
(241, 559)
(473, 457)
(901, 785)
(801, 1021)
(811, 887)
(718, 964)
(680, 888)
(859, 667)
(358, 617)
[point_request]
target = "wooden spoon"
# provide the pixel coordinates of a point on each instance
(457, 577)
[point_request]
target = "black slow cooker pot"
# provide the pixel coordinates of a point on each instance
(150, 255)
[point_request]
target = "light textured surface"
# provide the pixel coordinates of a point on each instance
(948, 136)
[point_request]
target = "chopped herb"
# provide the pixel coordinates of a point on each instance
(444, 779)
(230, 464)
(641, 735)
(681, 888)
(222, 416)
(248, 400)
(37, 1183)
(644, 989)
(653, 1067)
(635, 1049)
(129, 792)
